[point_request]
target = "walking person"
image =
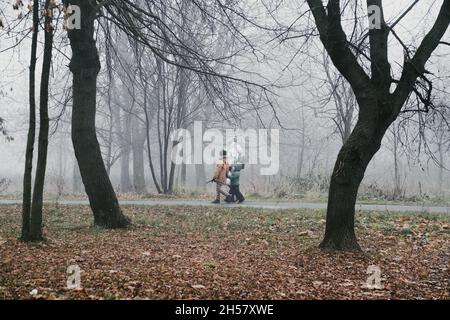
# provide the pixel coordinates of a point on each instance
(234, 175)
(220, 178)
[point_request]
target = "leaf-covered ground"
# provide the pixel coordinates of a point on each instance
(223, 253)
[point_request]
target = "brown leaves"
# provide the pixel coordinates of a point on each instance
(185, 253)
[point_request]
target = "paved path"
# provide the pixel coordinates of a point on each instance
(257, 204)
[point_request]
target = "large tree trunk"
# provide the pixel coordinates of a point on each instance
(27, 183)
(38, 193)
(351, 164)
(85, 65)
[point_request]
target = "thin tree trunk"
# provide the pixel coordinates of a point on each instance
(138, 168)
(441, 168)
(301, 151)
(125, 184)
(161, 104)
(171, 178)
(147, 134)
(138, 157)
(85, 66)
(149, 154)
(27, 183)
(397, 183)
(38, 193)
(182, 112)
(109, 155)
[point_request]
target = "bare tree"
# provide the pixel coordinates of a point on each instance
(378, 106)
(38, 192)
(439, 125)
(154, 25)
(395, 147)
(85, 65)
(27, 183)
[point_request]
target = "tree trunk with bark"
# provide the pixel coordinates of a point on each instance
(85, 66)
(397, 192)
(27, 179)
(347, 176)
(378, 106)
(38, 193)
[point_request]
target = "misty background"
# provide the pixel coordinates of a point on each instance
(302, 82)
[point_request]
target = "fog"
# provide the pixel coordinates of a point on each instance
(300, 108)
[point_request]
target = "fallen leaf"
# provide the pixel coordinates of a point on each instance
(198, 286)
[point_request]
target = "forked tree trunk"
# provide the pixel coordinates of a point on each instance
(379, 106)
(85, 65)
(27, 178)
(41, 167)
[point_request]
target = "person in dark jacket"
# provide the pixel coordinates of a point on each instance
(234, 176)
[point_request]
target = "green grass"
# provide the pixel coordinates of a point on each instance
(236, 219)
(182, 220)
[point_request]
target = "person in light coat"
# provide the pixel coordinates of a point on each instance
(220, 178)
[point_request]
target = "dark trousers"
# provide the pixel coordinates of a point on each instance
(236, 194)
